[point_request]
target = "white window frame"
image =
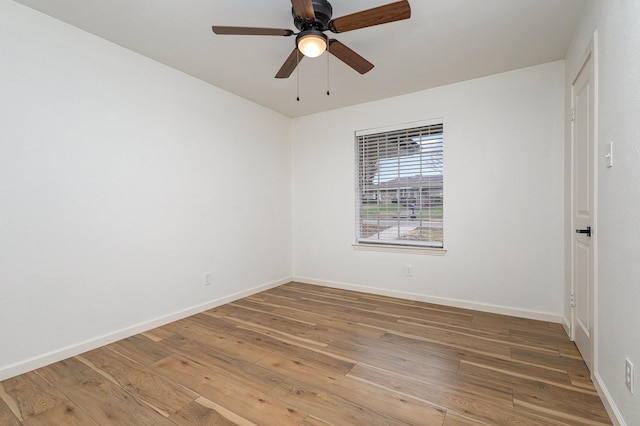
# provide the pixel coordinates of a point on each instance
(376, 144)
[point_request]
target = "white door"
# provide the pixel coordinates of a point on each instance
(583, 294)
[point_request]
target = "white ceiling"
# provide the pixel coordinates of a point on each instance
(444, 42)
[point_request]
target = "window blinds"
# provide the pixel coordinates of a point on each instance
(400, 185)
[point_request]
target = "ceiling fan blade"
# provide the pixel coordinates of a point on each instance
(251, 31)
(290, 64)
(370, 17)
(349, 57)
(303, 9)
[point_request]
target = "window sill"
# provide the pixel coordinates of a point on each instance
(429, 251)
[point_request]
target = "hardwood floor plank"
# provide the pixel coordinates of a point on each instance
(344, 312)
(260, 317)
(319, 297)
(60, 370)
(314, 421)
(562, 415)
(473, 333)
(427, 313)
(302, 354)
(203, 412)
(450, 339)
(284, 324)
(295, 324)
(570, 351)
(29, 395)
(225, 342)
(322, 322)
(260, 327)
(514, 323)
(318, 314)
(323, 329)
(319, 357)
(447, 398)
(455, 419)
(157, 334)
(329, 407)
(561, 403)
(573, 366)
(512, 373)
(222, 365)
(214, 321)
(140, 348)
(156, 391)
(384, 356)
(492, 331)
(436, 347)
(402, 408)
(445, 383)
(238, 398)
(107, 403)
(6, 415)
(67, 414)
(582, 380)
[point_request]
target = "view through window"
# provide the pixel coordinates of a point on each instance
(400, 185)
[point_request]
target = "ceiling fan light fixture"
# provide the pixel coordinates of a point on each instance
(311, 43)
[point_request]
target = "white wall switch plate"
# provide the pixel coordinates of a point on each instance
(609, 155)
(628, 375)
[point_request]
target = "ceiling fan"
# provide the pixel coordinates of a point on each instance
(313, 18)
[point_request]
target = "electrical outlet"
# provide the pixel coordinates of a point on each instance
(408, 270)
(628, 375)
(208, 280)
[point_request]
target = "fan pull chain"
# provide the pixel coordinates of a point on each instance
(328, 86)
(298, 75)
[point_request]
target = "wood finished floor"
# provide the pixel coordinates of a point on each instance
(309, 355)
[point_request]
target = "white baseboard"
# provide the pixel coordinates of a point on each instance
(494, 309)
(25, 366)
(607, 400)
(566, 324)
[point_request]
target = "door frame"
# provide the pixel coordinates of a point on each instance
(590, 52)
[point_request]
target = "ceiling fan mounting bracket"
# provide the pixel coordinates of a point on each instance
(323, 12)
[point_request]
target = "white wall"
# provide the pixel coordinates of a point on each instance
(119, 188)
(121, 182)
(618, 47)
(503, 195)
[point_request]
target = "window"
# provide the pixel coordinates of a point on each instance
(400, 185)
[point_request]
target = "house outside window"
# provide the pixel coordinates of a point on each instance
(400, 187)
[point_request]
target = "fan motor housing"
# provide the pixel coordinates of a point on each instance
(323, 12)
